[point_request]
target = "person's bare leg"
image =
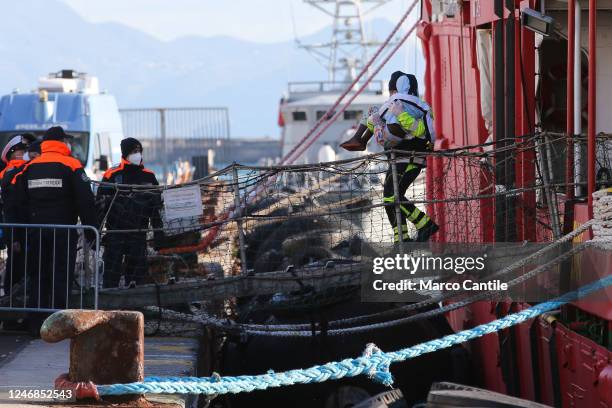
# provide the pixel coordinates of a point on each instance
(359, 140)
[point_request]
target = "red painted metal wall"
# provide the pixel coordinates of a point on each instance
(549, 362)
(573, 370)
(452, 88)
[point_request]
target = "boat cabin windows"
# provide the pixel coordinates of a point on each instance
(352, 115)
(299, 116)
(321, 113)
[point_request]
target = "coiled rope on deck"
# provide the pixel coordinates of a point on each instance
(374, 363)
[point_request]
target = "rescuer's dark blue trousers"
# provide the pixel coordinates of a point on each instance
(406, 174)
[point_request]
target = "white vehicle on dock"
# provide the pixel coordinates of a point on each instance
(72, 100)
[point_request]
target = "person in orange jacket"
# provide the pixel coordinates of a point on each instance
(131, 209)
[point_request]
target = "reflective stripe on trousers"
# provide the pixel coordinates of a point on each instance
(407, 172)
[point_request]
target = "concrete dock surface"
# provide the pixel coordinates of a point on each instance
(25, 361)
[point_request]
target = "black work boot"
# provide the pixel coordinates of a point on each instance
(424, 233)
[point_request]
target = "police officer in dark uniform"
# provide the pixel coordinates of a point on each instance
(129, 209)
(54, 189)
(31, 149)
(14, 156)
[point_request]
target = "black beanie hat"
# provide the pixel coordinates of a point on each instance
(128, 145)
(28, 137)
(414, 85)
(56, 133)
(34, 146)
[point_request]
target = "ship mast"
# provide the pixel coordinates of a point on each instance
(347, 51)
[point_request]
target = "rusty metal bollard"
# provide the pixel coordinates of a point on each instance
(106, 347)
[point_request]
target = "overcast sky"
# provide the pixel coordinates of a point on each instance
(256, 20)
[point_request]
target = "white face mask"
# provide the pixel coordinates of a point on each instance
(26, 156)
(135, 158)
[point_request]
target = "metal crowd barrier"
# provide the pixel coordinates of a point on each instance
(49, 267)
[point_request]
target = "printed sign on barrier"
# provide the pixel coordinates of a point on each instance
(183, 202)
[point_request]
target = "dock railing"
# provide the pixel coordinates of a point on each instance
(49, 267)
(278, 224)
(244, 220)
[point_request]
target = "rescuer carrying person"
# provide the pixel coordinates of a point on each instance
(128, 209)
(403, 123)
(53, 189)
(14, 157)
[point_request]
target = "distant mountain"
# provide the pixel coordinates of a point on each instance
(42, 36)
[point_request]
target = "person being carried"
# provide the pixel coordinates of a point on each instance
(128, 209)
(403, 123)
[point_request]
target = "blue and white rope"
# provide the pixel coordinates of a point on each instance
(374, 363)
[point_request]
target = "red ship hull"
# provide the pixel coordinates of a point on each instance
(542, 360)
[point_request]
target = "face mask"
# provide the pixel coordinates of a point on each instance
(135, 158)
(26, 156)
